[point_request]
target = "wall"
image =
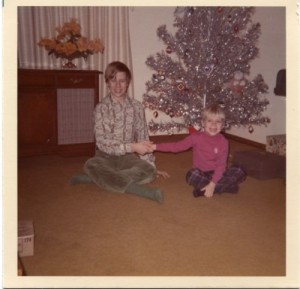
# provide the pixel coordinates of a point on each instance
(143, 24)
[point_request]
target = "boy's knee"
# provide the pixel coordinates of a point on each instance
(91, 165)
(239, 173)
(151, 173)
(92, 162)
(188, 176)
(191, 175)
(242, 175)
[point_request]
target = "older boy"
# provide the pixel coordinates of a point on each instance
(123, 160)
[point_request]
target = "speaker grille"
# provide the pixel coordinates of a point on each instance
(75, 115)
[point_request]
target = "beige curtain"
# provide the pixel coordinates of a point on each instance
(110, 24)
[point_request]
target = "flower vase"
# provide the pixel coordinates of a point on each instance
(68, 64)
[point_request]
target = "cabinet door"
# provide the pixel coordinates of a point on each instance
(37, 132)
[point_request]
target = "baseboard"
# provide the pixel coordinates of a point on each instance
(245, 141)
(176, 137)
(167, 138)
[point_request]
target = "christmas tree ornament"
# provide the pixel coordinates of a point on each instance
(186, 53)
(154, 77)
(251, 129)
(161, 75)
(155, 114)
(207, 69)
(190, 11)
(169, 49)
(161, 72)
(180, 86)
(221, 104)
(220, 9)
(215, 60)
(238, 82)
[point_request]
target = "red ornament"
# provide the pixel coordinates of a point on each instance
(161, 74)
(155, 114)
(238, 82)
(192, 130)
(169, 49)
(220, 9)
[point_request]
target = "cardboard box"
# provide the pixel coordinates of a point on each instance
(25, 238)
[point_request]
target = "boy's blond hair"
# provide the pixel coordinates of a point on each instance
(214, 109)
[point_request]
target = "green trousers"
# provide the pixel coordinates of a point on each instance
(116, 173)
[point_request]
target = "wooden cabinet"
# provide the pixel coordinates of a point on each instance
(55, 111)
(36, 120)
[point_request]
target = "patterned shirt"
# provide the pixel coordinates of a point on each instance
(118, 125)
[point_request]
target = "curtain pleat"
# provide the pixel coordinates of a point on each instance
(110, 24)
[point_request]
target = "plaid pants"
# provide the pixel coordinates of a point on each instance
(229, 181)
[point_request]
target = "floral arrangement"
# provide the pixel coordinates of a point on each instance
(70, 44)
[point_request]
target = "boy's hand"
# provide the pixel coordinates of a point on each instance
(153, 146)
(163, 174)
(209, 190)
(142, 148)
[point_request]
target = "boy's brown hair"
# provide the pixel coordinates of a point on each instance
(113, 68)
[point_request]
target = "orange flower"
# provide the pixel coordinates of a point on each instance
(49, 44)
(69, 43)
(97, 46)
(82, 44)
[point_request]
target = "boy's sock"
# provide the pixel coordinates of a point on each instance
(80, 179)
(198, 192)
(154, 194)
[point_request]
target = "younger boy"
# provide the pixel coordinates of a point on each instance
(209, 174)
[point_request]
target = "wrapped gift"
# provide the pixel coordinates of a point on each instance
(260, 164)
(276, 144)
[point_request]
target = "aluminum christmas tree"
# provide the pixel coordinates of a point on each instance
(207, 61)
